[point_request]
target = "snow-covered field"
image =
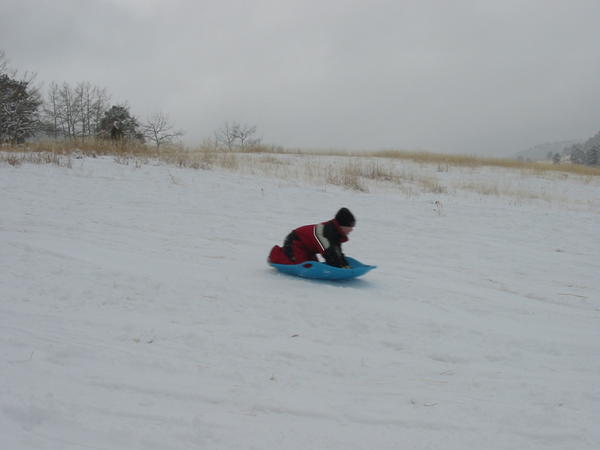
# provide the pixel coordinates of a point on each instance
(137, 312)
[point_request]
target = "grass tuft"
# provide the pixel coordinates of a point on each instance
(348, 176)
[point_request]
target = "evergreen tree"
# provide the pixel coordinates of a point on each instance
(586, 153)
(592, 156)
(118, 123)
(19, 105)
(577, 154)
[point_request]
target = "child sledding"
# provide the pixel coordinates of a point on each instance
(298, 255)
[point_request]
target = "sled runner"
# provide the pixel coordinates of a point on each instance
(321, 271)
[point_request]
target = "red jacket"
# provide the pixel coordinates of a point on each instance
(305, 243)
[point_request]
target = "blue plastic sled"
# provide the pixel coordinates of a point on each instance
(321, 271)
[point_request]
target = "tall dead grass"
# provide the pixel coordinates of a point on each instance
(207, 153)
(17, 159)
(348, 176)
(443, 161)
(356, 172)
(88, 147)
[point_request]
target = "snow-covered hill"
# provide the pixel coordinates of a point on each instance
(137, 312)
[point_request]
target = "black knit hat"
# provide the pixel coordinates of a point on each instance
(345, 218)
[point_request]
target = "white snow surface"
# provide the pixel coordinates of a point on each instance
(138, 312)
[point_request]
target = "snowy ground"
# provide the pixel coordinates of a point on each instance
(137, 312)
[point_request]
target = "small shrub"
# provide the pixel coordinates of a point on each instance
(348, 177)
(13, 160)
(377, 171)
(268, 159)
(432, 186)
(227, 160)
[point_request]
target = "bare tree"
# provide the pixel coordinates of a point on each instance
(92, 102)
(99, 105)
(236, 135)
(226, 136)
(69, 110)
(74, 112)
(159, 130)
(245, 135)
(51, 111)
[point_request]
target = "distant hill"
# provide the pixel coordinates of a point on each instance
(540, 152)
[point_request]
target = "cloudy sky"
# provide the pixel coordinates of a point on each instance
(460, 76)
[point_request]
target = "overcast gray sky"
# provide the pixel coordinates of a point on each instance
(459, 76)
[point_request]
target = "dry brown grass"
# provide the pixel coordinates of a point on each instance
(268, 159)
(443, 161)
(431, 185)
(410, 172)
(491, 189)
(378, 170)
(207, 152)
(89, 147)
(348, 176)
(481, 188)
(17, 159)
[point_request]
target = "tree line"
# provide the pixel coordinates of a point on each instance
(82, 111)
(587, 153)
